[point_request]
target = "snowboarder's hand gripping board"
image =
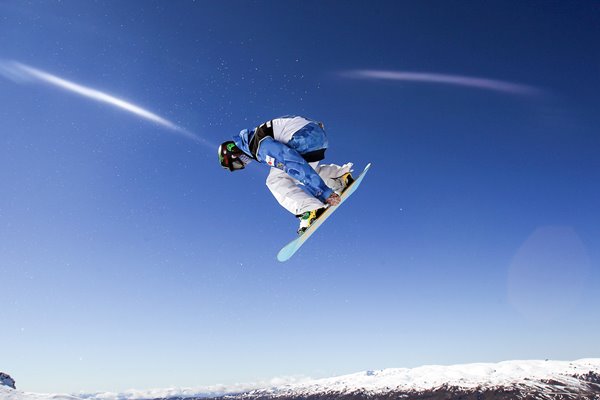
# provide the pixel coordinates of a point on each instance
(334, 199)
(292, 247)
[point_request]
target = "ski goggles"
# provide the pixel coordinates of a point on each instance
(236, 164)
(231, 162)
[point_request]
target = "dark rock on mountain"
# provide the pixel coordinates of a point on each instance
(6, 380)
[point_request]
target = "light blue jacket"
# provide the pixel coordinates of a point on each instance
(307, 144)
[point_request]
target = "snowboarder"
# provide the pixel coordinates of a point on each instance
(292, 146)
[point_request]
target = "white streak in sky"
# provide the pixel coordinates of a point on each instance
(21, 73)
(458, 80)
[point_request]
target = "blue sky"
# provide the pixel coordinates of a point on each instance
(130, 259)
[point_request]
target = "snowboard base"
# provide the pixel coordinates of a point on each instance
(292, 247)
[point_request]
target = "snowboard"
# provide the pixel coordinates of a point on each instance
(292, 247)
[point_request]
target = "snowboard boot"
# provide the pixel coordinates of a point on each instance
(346, 181)
(307, 219)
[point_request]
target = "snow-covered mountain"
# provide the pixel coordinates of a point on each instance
(505, 380)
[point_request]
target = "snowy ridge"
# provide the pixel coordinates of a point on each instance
(504, 380)
(465, 376)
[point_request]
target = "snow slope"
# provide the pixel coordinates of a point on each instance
(7, 393)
